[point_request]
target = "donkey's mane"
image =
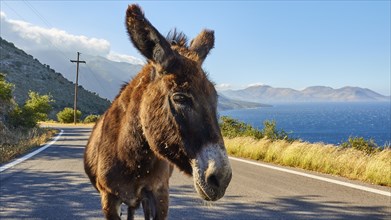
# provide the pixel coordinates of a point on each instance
(123, 87)
(177, 38)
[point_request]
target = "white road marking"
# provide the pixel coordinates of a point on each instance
(27, 156)
(364, 188)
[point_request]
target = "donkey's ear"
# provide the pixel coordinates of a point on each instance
(147, 39)
(203, 43)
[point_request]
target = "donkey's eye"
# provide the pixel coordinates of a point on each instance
(182, 99)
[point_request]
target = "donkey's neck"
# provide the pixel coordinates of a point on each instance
(131, 139)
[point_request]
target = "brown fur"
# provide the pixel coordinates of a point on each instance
(163, 116)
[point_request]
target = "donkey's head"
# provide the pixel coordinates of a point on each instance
(178, 107)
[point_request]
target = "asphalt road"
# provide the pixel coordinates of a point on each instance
(52, 185)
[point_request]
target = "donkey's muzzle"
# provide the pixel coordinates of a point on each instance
(211, 172)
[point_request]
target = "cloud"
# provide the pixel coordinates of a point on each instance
(30, 37)
(33, 37)
(255, 84)
(223, 86)
(124, 58)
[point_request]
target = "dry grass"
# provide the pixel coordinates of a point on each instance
(19, 141)
(350, 163)
(58, 124)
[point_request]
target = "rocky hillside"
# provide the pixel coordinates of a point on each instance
(28, 73)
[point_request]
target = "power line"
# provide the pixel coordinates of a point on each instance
(5, 3)
(45, 21)
(36, 12)
(48, 25)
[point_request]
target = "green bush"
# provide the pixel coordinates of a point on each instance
(6, 101)
(21, 117)
(66, 115)
(359, 143)
(5, 89)
(91, 118)
(39, 105)
(233, 128)
(35, 109)
(270, 131)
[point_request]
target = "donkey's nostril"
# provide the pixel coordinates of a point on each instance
(213, 181)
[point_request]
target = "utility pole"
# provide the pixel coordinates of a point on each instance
(76, 85)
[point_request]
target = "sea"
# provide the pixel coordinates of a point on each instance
(331, 123)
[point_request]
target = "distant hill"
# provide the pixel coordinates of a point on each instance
(225, 103)
(268, 94)
(28, 73)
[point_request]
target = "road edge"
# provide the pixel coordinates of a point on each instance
(338, 182)
(27, 156)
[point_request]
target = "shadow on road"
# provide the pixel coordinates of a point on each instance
(52, 184)
(68, 195)
(50, 195)
(72, 132)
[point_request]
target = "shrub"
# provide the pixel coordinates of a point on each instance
(6, 100)
(359, 143)
(233, 128)
(22, 117)
(35, 109)
(270, 132)
(91, 118)
(66, 115)
(5, 89)
(39, 105)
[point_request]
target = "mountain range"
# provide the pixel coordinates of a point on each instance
(99, 78)
(103, 77)
(268, 94)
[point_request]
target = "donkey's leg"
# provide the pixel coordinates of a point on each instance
(146, 203)
(110, 206)
(131, 211)
(162, 200)
(149, 204)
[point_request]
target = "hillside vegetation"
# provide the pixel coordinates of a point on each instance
(355, 159)
(18, 130)
(31, 92)
(27, 73)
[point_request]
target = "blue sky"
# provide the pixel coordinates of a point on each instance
(292, 44)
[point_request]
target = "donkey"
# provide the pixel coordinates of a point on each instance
(166, 115)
